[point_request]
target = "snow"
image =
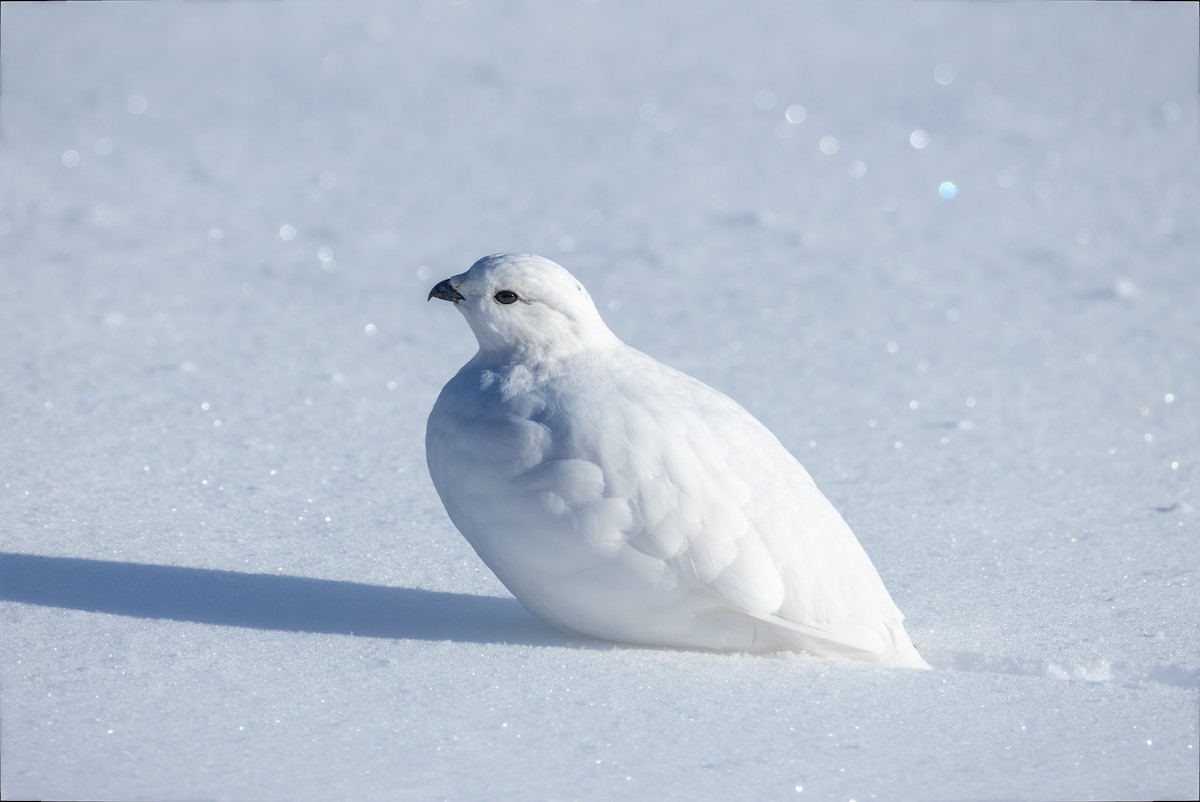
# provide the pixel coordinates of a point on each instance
(960, 237)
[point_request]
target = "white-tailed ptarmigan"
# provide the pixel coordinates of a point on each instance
(621, 499)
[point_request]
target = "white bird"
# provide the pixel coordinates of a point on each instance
(621, 499)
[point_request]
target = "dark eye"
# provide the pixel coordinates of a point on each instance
(506, 297)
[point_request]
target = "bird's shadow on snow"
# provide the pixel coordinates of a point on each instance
(269, 601)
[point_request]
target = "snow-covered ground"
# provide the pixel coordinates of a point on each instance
(946, 251)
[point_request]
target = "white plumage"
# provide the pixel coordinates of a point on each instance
(621, 499)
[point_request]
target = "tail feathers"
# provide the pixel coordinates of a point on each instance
(890, 647)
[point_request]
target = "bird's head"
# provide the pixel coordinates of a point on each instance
(526, 306)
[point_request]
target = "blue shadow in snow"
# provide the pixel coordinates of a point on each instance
(268, 601)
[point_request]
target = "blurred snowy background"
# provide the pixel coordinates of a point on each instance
(946, 251)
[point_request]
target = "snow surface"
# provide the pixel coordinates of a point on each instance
(947, 252)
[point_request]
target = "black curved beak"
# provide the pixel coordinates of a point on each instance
(445, 290)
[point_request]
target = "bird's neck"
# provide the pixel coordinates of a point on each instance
(519, 370)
